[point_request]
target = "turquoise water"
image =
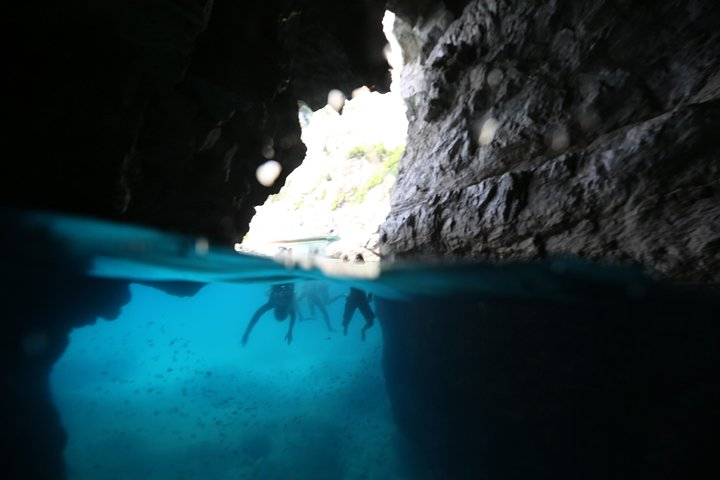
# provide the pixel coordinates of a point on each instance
(562, 355)
(166, 392)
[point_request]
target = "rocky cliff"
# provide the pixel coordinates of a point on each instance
(561, 127)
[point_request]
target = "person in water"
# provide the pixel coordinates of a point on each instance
(318, 297)
(282, 303)
(358, 300)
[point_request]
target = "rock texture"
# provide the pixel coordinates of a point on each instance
(44, 295)
(160, 111)
(584, 128)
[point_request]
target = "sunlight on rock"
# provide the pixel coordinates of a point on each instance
(487, 132)
(336, 99)
(393, 51)
(360, 91)
(388, 53)
(268, 172)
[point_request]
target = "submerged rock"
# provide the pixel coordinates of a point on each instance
(612, 381)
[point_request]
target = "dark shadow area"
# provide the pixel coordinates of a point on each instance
(44, 295)
(618, 382)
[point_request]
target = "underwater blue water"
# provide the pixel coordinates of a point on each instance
(167, 392)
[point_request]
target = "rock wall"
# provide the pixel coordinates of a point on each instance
(585, 128)
(159, 112)
(44, 295)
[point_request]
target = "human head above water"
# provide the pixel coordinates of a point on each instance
(358, 258)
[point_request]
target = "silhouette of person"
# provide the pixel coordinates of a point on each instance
(358, 300)
(318, 296)
(282, 302)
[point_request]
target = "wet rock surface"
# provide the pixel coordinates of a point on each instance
(581, 128)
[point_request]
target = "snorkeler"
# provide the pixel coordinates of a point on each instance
(282, 302)
(318, 296)
(357, 299)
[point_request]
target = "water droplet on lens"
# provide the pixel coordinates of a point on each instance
(268, 172)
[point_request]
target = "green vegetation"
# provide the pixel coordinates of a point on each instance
(357, 152)
(392, 160)
(375, 153)
(389, 166)
(338, 201)
(279, 197)
(385, 163)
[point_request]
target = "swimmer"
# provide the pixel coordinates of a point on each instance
(358, 300)
(282, 302)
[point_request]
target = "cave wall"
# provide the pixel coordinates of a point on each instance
(584, 128)
(44, 294)
(536, 129)
(159, 112)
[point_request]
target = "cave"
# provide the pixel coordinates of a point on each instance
(548, 298)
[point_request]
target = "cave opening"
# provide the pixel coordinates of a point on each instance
(342, 189)
(167, 390)
(572, 142)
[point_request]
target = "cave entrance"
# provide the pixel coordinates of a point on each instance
(342, 189)
(167, 391)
